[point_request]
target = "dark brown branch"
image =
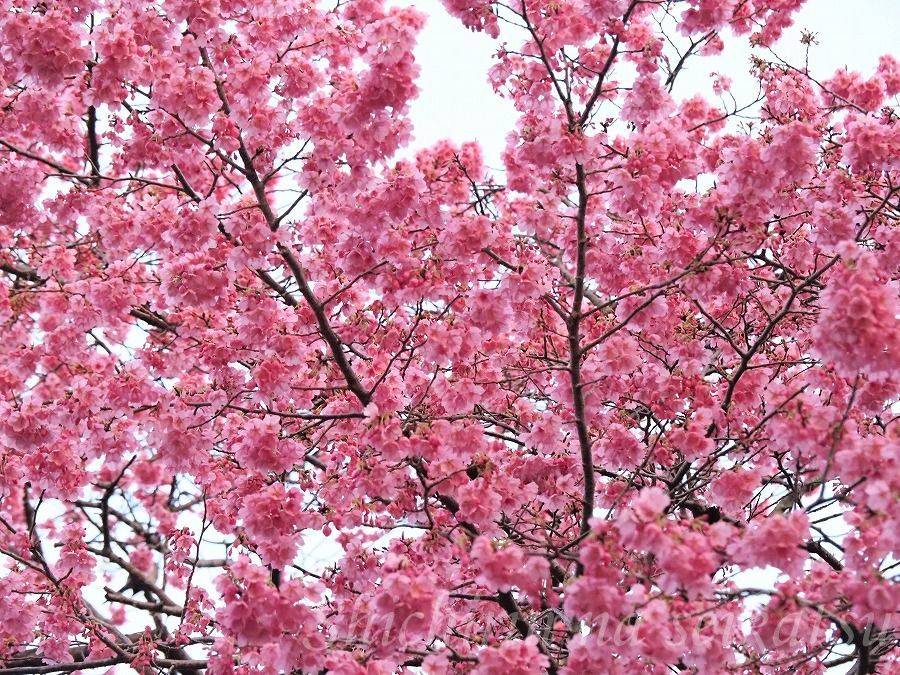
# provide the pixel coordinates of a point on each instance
(770, 328)
(816, 548)
(328, 333)
(325, 329)
(155, 320)
(573, 325)
(93, 145)
(21, 271)
(607, 66)
(154, 607)
(185, 185)
(87, 180)
(670, 80)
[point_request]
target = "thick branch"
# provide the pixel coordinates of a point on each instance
(574, 336)
(325, 328)
(93, 145)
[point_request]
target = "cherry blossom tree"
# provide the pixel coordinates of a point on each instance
(628, 405)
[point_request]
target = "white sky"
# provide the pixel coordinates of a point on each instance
(456, 101)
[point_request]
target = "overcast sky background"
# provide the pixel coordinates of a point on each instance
(456, 101)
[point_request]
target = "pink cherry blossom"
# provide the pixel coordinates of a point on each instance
(514, 656)
(281, 392)
(777, 541)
